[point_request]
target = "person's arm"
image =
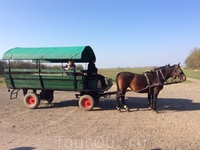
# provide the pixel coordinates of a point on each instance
(67, 67)
(70, 67)
(95, 70)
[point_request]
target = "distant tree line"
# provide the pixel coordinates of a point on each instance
(193, 60)
(20, 64)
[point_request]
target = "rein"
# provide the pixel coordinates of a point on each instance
(174, 82)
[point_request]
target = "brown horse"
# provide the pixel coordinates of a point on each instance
(149, 82)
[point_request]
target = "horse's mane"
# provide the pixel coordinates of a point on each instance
(152, 71)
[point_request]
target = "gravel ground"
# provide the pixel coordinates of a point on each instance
(63, 125)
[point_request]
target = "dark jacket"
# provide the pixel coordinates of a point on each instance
(92, 69)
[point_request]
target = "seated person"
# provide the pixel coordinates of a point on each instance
(70, 66)
(92, 72)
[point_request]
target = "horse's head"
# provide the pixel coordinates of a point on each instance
(177, 72)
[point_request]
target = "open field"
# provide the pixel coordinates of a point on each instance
(63, 125)
(113, 72)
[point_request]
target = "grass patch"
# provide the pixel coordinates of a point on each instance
(111, 73)
(191, 73)
(2, 81)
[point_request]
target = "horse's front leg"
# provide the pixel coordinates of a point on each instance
(124, 103)
(149, 100)
(155, 96)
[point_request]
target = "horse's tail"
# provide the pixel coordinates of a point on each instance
(117, 81)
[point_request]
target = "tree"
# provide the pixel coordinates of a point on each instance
(2, 65)
(193, 60)
(79, 67)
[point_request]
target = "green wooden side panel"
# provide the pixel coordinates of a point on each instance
(43, 81)
(66, 83)
(51, 79)
(22, 81)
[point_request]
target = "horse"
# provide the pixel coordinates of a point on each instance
(149, 82)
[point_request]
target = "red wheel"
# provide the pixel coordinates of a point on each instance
(86, 102)
(31, 100)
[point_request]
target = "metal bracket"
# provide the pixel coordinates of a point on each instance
(15, 93)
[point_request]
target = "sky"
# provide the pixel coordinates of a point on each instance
(122, 33)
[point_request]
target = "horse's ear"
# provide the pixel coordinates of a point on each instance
(178, 64)
(169, 64)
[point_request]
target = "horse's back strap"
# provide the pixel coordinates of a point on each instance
(148, 85)
(147, 79)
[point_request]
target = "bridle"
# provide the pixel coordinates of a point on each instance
(176, 71)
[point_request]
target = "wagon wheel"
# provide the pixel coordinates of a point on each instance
(86, 102)
(31, 100)
(47, 95)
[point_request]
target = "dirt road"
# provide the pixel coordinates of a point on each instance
(63, 125)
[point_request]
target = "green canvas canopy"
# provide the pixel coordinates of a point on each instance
(51, 54)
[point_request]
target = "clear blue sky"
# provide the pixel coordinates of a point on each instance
(122, 33)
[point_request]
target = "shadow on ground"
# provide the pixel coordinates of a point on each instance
(173, 104)
(138, 103)
(23, 148)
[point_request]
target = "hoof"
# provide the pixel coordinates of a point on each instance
(155, 111)
(118, 109)
(126, 108)
(150, 107)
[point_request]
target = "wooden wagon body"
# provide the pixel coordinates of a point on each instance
(46, 81)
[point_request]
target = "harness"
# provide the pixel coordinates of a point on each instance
(149, 85)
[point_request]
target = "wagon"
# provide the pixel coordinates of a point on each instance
(39, 84)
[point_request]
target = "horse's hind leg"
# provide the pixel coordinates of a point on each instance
(124, 103)
(120, 94)
(117, 101)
